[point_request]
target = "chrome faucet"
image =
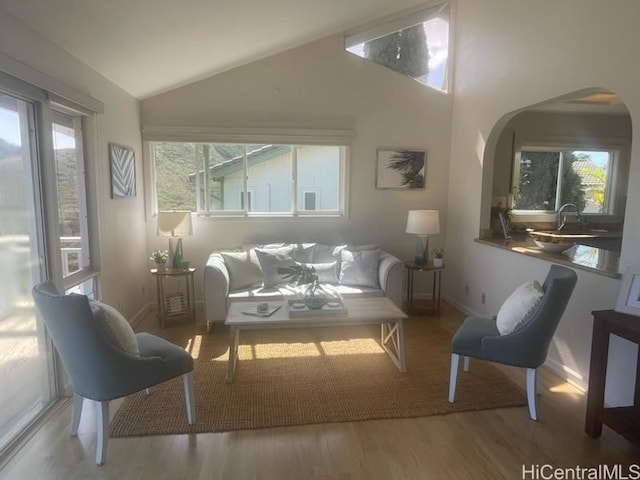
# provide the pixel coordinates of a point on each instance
(562, 218)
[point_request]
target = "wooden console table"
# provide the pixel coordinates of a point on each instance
(624, 420)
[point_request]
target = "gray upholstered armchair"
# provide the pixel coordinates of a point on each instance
(98, 369)
(527, 346)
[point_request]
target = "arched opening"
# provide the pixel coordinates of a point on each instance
(572, 150)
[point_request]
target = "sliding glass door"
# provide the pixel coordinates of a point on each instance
(26, 377)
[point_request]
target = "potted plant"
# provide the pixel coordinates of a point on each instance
(159, 257)
(438, 257)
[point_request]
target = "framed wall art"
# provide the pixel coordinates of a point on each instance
(400, 168)
(629, 296)
(123, 171)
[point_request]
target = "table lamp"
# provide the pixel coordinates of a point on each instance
(423, 223)
(175, 225)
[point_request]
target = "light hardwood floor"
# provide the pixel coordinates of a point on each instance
(491, 444)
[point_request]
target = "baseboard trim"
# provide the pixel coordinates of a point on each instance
(571, 376)
(137, 318)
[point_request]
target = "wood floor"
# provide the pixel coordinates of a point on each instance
(491, 444)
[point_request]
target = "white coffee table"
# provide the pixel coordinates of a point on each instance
(360, 311)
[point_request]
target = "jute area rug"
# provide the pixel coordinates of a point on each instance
(318, 375)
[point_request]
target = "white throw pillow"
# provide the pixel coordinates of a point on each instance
(243, 271)
(115, 327)
(359, 268)
(519, 304)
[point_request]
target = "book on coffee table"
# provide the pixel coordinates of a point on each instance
(298, 308)
(262, 310)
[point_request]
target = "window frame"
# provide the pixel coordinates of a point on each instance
(341, 138)
(45, 94)
(408, 19)
(617, 148)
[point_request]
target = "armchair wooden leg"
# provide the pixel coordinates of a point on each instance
(102, 417)
(78, 401)
(453, 376)
(189, 398)
(531, 393)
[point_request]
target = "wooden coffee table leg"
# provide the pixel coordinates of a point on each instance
(234, 338)
(392, 340)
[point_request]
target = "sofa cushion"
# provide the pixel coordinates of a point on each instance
(244, 269)
(115, 327)
(291, 291)
(271, 261)
(359, 267)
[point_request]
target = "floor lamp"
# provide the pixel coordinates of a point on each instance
(422, 223)
(175, 225)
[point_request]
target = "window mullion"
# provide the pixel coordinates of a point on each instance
(82, 194)
(294, 177)
(199, 190)
(559, 180)
(206, 159)
(245, 180)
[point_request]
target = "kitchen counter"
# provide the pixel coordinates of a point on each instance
(583, 257)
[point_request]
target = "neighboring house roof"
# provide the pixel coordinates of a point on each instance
(254, 157)
(588, 171)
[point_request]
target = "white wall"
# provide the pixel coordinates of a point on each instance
(321, 86)
(511, 55)
(124, 252)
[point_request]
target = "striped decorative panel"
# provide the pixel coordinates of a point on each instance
(123, 171)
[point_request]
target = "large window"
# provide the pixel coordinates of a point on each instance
(546, 178)
(416, 45)
(44, 234)
(249, 179)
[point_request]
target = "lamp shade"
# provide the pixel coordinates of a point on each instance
(175, 224)
(423, 222)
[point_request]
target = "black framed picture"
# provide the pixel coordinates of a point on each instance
(123, 171)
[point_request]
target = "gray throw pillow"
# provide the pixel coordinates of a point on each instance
(115, 327)
(244, 272)
(270, 263)
(360, 268)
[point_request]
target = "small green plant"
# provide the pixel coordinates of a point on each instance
(438, 252)
(159, 256)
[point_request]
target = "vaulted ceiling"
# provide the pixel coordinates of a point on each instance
(150, 46)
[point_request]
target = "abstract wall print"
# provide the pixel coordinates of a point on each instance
(401, 168)
(123, 171)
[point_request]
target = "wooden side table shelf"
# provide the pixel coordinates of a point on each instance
(437, 279)
(624, 420)
(177, 304)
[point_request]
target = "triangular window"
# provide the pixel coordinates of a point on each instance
(416, 45)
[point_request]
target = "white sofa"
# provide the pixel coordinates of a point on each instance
(251, 273)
